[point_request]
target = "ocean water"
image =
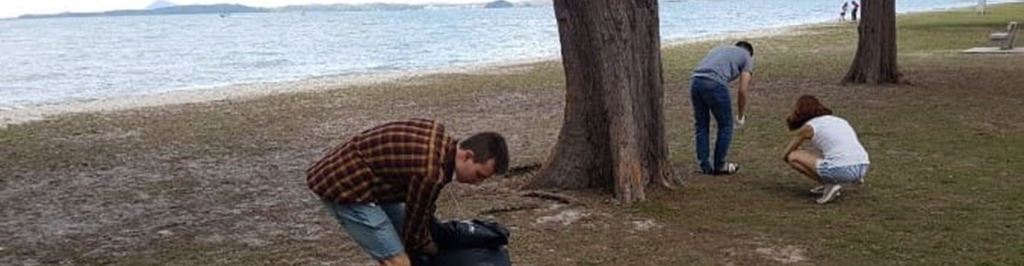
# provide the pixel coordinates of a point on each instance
(62, 60)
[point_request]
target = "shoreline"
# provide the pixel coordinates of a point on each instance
(248, 91)
(243, 91)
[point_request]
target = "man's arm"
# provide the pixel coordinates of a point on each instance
(420, 203)
(741, 95)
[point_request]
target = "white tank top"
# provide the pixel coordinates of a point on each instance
(837, 141)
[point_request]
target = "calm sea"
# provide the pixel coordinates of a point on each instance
(48, 61)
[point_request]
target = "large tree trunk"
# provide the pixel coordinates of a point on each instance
(875, 61)
(613, 135)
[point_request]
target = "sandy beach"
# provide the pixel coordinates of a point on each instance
(239, 92)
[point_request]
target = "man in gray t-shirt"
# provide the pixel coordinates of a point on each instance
(709, 94)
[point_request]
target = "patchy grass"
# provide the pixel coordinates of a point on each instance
(223, 183)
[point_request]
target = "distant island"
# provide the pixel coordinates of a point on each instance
(162, 7)
(499, 4)
(159, 4)
(170, 10)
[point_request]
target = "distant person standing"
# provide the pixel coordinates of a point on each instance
(709, 94)
(856, 7)
(842, 12)
(843, 159)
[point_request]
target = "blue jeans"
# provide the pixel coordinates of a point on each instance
(709, 97)
(375, 227)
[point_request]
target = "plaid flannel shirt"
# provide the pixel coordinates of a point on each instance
(403, 161)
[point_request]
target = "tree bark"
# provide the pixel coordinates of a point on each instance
(875, 61)
(613, 135)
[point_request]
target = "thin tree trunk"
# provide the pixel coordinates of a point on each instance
(875, 61)
(613, 135)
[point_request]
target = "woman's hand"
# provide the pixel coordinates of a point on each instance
(804, 133)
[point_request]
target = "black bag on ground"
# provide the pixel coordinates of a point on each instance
(468, 234)
(468, 243)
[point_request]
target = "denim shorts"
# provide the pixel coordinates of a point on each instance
(375, 227)
(841, 174)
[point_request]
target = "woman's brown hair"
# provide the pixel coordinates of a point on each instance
(807, 107)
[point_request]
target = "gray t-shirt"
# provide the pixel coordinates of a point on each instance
(724, 64)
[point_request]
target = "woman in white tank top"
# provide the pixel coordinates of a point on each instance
(842, 160)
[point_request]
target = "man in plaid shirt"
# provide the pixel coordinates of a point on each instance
(382, 184)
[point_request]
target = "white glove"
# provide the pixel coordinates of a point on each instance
(740, 120)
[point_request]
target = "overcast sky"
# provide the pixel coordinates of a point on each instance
(14, 8)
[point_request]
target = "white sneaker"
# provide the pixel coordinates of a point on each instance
(818, 189)
(830, 193)
(728, 169)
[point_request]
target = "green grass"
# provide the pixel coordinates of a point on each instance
(945, 184)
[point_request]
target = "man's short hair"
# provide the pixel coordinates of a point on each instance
(488, 145)
(746, 45)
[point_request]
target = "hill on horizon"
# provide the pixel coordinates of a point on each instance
(163, 7)
(159, 4)
(186, 9)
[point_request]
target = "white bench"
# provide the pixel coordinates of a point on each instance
(1006, 38)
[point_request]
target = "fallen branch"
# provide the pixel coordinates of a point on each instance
(522, 169)
(502, 209)
(550, 196)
